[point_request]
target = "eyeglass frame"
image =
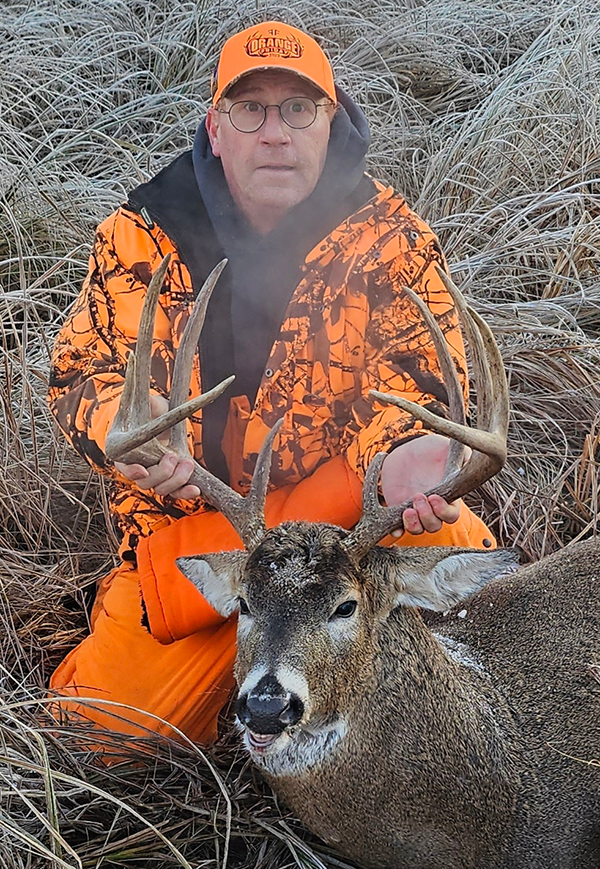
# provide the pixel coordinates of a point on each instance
(275, 106)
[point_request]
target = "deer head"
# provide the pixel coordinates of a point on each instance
(311, 617)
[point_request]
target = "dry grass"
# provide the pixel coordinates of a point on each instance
(486, 117)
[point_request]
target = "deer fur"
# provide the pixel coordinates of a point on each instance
(474, 744)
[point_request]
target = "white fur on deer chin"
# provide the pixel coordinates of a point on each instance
(297, 749)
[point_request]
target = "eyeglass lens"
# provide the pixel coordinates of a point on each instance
(248, 116)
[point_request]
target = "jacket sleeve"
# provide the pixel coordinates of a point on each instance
(400, 357)
(88, 362)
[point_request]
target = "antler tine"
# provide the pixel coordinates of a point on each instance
(260, 478)
(245, 514)
(497, 419)
(122, 418)
(481, 369)
(488, 443)
(182, 371)
(454, 391)
(123, 444)
(140, 412)
(376, 520)
(488, 368)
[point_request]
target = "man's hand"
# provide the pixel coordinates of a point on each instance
(170, 476)
(412, 469)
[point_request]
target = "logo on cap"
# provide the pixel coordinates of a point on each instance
(273, 45)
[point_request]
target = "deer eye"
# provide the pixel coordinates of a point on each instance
(345, 610)
(244, 608)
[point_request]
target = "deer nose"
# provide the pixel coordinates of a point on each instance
(268, 707)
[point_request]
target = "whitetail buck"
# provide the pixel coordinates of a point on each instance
(476, 747)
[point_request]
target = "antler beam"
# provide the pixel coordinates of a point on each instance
(487, 441)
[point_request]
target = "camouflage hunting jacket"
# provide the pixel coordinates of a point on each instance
(349, 327)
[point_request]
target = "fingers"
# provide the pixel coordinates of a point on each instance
(429, 514)
(169, 477)
(448, 513)
(186, 493)
(421, 517)
(172, 474)
(131, 472)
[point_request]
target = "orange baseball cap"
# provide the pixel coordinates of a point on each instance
(272, 45)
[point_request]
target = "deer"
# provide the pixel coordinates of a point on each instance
(404, 740)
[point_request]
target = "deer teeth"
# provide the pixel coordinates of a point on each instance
(261, 741)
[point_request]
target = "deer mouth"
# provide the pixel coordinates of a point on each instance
(260, 742)
(296, 750)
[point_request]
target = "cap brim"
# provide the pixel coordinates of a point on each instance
(267, 68)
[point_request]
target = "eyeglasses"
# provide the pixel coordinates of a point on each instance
(248, 116)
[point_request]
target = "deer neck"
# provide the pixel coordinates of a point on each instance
(430, 730)
(439, 695)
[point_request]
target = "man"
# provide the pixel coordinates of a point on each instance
(309, 314)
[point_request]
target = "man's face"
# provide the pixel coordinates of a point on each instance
(272, 170)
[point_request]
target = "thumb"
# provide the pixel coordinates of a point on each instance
(158, 406)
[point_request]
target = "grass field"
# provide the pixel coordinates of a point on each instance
(487, 117)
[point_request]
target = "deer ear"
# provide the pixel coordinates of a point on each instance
(216, 576)
(437, 578)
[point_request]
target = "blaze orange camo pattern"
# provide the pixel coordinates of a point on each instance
(348, 328)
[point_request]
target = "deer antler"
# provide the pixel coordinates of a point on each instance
(488, 441)
(133, 437)
(133, 427)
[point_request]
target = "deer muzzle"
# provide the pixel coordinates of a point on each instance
(267, 710)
